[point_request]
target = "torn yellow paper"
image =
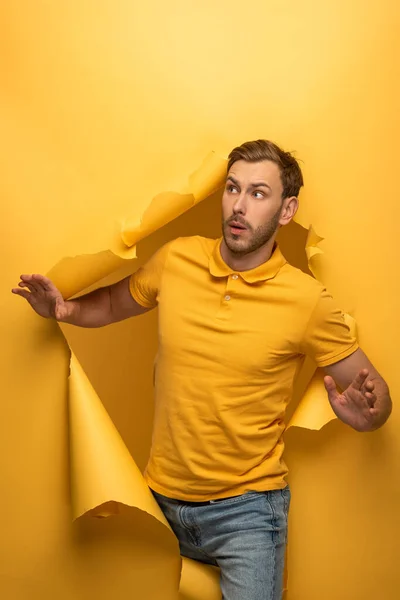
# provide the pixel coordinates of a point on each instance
(102, 470)
(73, 275)
(314, 410)
(199, 581)
(312, 249)
(169, 205)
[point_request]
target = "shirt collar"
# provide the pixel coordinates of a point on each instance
(267, 270)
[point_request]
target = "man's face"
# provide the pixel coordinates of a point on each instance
(251, 205)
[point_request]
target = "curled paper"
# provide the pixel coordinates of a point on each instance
(169, 205)
(312, 249)
(103, 473)
(199, 582)
(73, 275)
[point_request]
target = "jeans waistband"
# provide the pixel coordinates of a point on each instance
(205, 502)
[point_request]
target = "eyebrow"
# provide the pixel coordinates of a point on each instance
(252, 185)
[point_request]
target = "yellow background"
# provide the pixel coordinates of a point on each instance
(105, 104)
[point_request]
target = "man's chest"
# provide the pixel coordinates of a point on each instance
(252, 328)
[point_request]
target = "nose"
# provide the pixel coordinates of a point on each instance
(240, 205)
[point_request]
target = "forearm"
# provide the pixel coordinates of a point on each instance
(91, 310)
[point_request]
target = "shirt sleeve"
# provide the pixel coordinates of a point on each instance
(327, 338)
(145, 283)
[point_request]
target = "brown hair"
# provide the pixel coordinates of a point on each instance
(291, 175)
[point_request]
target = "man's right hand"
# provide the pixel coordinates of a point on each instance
(98, 308)
(44, 297)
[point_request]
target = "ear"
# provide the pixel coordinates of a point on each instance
(289, 209)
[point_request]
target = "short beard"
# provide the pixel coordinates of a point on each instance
(259, 237)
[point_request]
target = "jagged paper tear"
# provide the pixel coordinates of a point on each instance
(73, 275)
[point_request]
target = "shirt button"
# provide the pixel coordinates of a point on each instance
(235, 276)
(227, 297)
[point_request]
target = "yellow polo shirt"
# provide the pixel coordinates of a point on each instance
(230, 345)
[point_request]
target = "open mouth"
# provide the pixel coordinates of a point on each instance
(237, 228)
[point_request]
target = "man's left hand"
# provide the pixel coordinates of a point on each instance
(356, 405)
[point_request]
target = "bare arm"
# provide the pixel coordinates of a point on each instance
(365, 403)
(105, 306)
(101, 307)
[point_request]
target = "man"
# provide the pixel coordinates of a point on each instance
(235, 321)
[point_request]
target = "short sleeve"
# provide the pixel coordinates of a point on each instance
(327, 338)
(145, 283)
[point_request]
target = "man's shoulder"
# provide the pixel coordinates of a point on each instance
(303, 284)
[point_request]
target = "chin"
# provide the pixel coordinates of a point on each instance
(235, 245)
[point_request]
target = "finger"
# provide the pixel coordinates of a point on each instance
(36, 281)
(29, 280)
(359, 380)
(44, 282)
(330, 387)
(369, 386)
(27, 285)
(371, 399)
(24, 293)
(356, 397)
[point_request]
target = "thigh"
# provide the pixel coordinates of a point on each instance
(250, 546)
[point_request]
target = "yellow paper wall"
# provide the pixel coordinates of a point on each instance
(103, 106)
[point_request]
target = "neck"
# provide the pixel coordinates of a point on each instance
(245, 262)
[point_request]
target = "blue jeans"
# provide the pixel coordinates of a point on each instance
(245, 536)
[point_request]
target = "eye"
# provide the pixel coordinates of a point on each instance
(231, 188)
(257, 194)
